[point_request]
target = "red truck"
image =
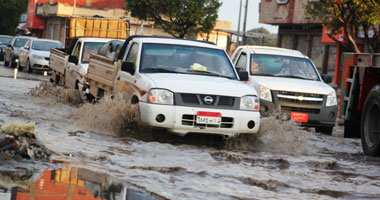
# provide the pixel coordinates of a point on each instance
(359, 105)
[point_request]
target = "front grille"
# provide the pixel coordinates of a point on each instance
(190, 99)
(301, 110)
(190, 120)
(293, 97)
(199, 100)
(304, 102)
(226, 101)
(300, 94)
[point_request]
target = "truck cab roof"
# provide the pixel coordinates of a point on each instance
(271, 51)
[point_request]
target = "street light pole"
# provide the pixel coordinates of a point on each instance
(238, 31)
(245, 23)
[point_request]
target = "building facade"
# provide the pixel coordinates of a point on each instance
(299, 31)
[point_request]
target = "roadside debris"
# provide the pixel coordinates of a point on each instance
(17, 139)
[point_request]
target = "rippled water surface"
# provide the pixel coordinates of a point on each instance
(91, 141)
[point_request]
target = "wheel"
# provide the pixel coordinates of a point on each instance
(28, 67)
(5, 61)
(327, 130)
(370, 130)
(19, 66)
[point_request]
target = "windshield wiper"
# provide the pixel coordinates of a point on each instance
(163, 70)
(210, 73)
(292, 76)
(262, 74)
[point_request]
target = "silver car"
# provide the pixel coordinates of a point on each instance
(35, 54)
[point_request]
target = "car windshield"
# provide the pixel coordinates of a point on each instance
(19, 42)
(282, 66)
(90, 48)
(5, 40)
(45, 45)
(168, 58)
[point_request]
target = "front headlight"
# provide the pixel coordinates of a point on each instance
(331, 99)
(160, 96)
(38, 57)
(249, 103)
(265, 94)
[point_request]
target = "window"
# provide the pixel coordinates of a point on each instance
(90, 48)
(132, 55)
(242, 62)
(77, 50)
(27, 45)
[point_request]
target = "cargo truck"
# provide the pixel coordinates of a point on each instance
(359, 105)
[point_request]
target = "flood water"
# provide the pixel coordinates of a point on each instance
(101, 152)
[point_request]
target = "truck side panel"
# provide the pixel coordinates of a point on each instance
(58, 62)
(101, 74)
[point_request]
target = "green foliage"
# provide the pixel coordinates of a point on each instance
(179, 18)
(260, 30)
(348, 16)
(10, 15)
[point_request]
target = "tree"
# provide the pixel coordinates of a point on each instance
(179, 18)
(10, 15)
(260, 30)
(349, 16)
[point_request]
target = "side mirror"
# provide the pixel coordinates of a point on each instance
(128, 67)
(73, 59)
(243, 75)
(327, 78)
(9, 45)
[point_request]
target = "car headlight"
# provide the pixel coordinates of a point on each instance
(249, 103)
(160, 96)
(265, 93)
(331, 100)
(38, 57)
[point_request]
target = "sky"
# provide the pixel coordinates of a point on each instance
(229, 11)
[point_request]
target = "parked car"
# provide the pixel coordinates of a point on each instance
(287, 81)
(35, 54)
(12, 50)
(5, 40)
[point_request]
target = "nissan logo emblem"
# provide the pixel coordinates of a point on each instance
(208, 100)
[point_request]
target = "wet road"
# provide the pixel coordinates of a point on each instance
(281, 162)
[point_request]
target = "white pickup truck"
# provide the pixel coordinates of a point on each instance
(69, 66)
(184, 86)
(287, 81)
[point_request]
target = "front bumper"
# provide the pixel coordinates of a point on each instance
(39, 64)
(182, 120)
(325, 117)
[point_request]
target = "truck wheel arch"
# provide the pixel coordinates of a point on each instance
(135, 100)
(370, 133)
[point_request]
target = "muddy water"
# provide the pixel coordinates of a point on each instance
(281, 162)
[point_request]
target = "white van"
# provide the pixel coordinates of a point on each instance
(287, 81)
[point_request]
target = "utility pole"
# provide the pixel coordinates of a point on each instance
(245, 23)
(238, 31)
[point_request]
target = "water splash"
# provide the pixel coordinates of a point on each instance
(53, 94)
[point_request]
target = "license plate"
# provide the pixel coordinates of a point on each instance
(213, 118)
(299, 117)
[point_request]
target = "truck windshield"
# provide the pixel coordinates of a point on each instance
(20, 42)
(164, 58)
(90, 48)
(5, 40)
(282, 66)
(45, 45)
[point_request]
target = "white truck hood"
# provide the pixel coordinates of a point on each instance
(290, 84)
(200, 84)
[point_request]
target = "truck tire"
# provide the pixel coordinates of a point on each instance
(327, 130)
(370, 129)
